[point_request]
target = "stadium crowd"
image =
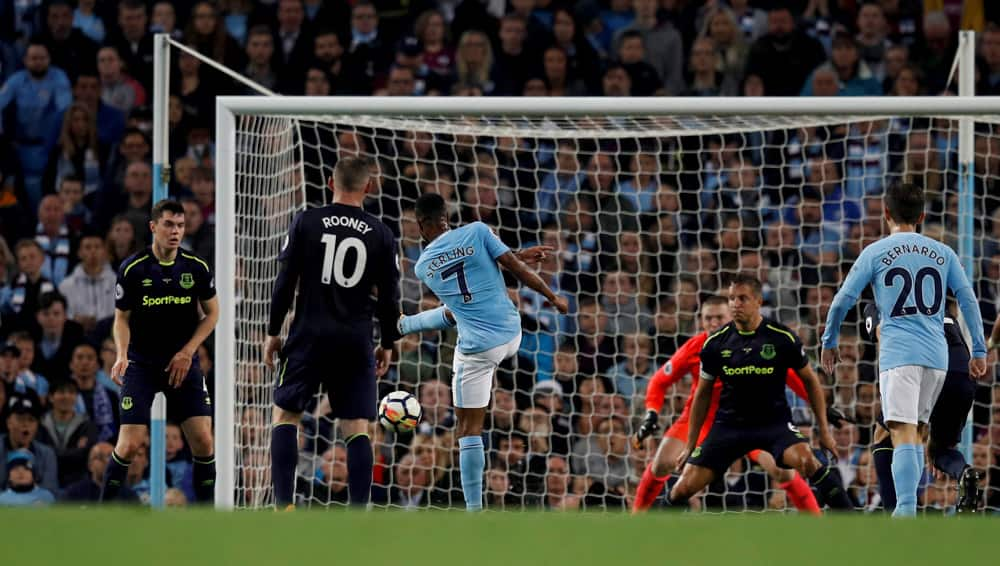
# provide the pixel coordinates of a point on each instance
(645, 228)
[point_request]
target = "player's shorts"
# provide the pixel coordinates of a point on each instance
(346, 370)
(726, 443)
(951, 410)
(681, 427)
(143, 380)
(909, 393)
(472, 374)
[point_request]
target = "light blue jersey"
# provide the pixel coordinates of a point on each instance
(460, 267)
(910, 274)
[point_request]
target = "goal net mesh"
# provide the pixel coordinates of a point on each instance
(649, 217)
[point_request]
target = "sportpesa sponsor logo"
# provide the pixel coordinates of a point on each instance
(148, 301)
(747, 370)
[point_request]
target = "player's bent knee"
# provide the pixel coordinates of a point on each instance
(282, 416)
(809, 466)
(662, 467)
(352, 427)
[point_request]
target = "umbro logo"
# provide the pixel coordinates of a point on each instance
(147, 282)
(167, 280)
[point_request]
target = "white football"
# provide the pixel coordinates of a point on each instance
(399, 411)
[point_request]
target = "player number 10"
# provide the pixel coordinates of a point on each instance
(333, 260)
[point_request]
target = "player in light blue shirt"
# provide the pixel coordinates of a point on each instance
(910, 274)
(461, 267)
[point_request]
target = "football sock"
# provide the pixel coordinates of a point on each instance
(114, 477)
(950, 461)
(284, 457)
(830, 486)
(649, 489)
(471, 461)
(801, 495)
(203, 476)
(359, 468)
(906, 475)
(433, 319)
(882, 458)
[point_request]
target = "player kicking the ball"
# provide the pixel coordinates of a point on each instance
(752, 356)
(910, 274)
(460, 267)
(714, 314)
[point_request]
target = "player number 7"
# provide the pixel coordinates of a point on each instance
(459, 270)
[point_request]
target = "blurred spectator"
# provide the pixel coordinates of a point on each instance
(602, 455)
(90, 288)
(784, 57)
(178, 462)
(369, 54)
(19, 299)
(513, 61)
(620, 301)
(88, 21)
(730, 45)
(88, 488)
(54, 237)
(705, 79)
(293, 40)
(662, 46)
(207, 33)
(260, 57)
(199, 236)
(56, 337)
(94, 399)
(21, 414)
(133, 42)
(474, 62)
(137, 199)
(557, 486)
(632, 56)
(854, 76)
(69, 433)
(431, 32)
(30, 101)
(583, 62)
(163, 19)
(937, 50)
(631, 375)
(989, 75)
(87, 91)
(77, 153)
(596, 346)
(22, 346)
(22, 490)
(69, 49)
(121, 241)
(558, 78)
(616, 81)
(118, 90)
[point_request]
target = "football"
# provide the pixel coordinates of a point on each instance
(399, 411)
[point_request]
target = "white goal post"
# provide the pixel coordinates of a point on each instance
(274, 125)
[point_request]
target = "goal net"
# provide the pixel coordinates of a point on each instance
(649, 215)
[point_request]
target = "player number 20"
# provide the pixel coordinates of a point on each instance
(915, 284)
(333, 260)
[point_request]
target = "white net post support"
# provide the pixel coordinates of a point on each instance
(275, 155)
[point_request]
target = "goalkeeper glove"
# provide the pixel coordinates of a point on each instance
(650, 424)
(836, 417)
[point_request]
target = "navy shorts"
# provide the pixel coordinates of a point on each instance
(346, 370)
(144, 380)
(951, 410)
(726, 443)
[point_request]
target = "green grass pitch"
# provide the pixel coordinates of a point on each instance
(140, 537)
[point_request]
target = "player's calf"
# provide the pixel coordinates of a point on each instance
(360, 460)
(656, 474)
(131, 438)
(472, 455)
(198, 432)
(284, 455)
(693, 479)
(824, 477)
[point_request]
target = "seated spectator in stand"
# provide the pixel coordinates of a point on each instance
(853, 74)
(163, 19)
(411, 483)
(595, 343)
(77, 152)
(328, 55)
(90, 288)
(514, 60)
(134, 146)
(206, 33)
(31, 103)
(330, 484)
(260, 57)
(121, 241)
(558, 496)
(94, 399)
(664, 48)
(22, 491)
(138, 199)
(785, 56)
(54, 236)
(631, 54)
(19, 299)
(78, 215)
(199, 236)
(88, 21)
(558, 74)
(25, 378)
(88, 488)
(21, 413)
(640, 190)
(68, 432)
(474, 62)
(620, 301)
(137, 479)
(56, 336)
(203, 189)
(118, 89)
(431, 33)
(603, 457)
(369, 53)
(631, 376)
(178, 462)
(705, 78)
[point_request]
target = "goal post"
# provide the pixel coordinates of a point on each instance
(274, 156)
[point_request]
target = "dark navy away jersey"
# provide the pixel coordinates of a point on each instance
(162, 299)
(338, 257)
(753, 367)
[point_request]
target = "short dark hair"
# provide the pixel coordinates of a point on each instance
(750, 281)
(46, 300)
(351, 174)
(905, 202)
(430, 207)
(64, 385)
(165, 205)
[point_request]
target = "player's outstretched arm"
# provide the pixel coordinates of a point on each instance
(534, 255)
(818, 403)
(511, 263)
(122, 335)
(699, 410)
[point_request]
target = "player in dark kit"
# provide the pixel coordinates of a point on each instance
(947, 420)
(752, 355)
(335, 256)
(157, 330)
